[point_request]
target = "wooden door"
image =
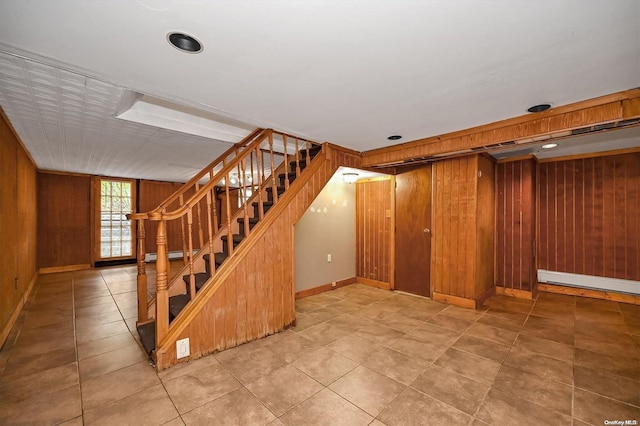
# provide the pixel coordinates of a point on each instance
(413, 232)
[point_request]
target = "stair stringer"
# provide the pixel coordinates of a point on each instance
(253, 296)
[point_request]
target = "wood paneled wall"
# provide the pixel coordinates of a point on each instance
(589, 216)
(374, 230)
(18, 226)
(64, 221)
(515, 225)
(150, 195)
(253, 296)
(463, 229)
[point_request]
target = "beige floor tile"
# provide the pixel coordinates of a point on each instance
(501, 408)
(323, 313)
(94, 304)
(395, 365)
(236, 408)
(197, 387)
(304, 322)
(125, 286)
(595, 409)
(47, 316)
(18, 366)
(175, 422)
(89, 333)
(305, 305)
(462, 313)
(249, 366)
(601, 382)
(469, 365)
(98, 309)
(354, 348)
(452, 323)
(378, 333)
(495, 334)
(324, 333)
(111, 387)
(366, 389)
(413, 408)
(326, 408)
(150, 407)
(482, 347)
(106, 344)
(540, 365)
(398, 320)
(98, 319)
(42, 382)
(417, 348)
(42, 408)
(324, 365)
(556, 330)
(619, 364)
(188, 367)
(43, 339)
(456, 390)
(284, 388)
(545, 347)
(291, 346)
(76, 421)
(430, 332)
(513, 323)
(544, 392)
(110, 361)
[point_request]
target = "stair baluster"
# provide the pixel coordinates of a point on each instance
(184, 234)
(143, 314)
(228, 205)
(192, 277)
(162, 293)
(211, 231)
(274, 185)
(286, 162)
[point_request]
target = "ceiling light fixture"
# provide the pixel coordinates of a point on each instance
(549, 145)
(539, 108)
(184, 42)
(394, 137)
(349, 177)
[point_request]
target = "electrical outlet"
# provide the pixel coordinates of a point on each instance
(329, 257)
(182, 348)
(333, 284)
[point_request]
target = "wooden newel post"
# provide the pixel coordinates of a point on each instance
(143, 310)
(162, 293)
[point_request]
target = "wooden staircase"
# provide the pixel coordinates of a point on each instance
(237, 282)
(178, 302)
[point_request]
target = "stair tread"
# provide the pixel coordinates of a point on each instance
(177, 304)
(236, 238)
(218, 257)
(147, 334)
(201, 278)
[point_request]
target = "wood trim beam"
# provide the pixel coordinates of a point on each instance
(374, 283)
(555, 122)
(323, 288)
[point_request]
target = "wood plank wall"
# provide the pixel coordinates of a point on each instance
(255, 296)
(18, 225)
(462, 228)
(150, 195)
(64, 220)
(374, 230)
(589, 216)
(515, 224)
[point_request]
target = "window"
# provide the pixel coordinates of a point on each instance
(115, 230)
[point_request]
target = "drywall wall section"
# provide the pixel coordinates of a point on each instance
(326, 228)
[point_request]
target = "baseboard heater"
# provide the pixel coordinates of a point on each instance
(589, 282)
(152, 257)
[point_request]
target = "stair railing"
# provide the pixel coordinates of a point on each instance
(246, 170)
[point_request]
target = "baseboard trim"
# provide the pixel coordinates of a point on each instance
(325, 287)
(374, 283)
(513, 292)
(16, 312)
(594, 294)
(454, 300)
(66, 268)
(463, 301)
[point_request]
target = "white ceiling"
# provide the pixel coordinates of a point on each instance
(349, 72)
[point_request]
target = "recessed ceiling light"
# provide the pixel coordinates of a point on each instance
(394, 137)
(539, 108)
(549, 145)
(184, 42)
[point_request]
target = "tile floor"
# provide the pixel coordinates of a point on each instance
(358, 356)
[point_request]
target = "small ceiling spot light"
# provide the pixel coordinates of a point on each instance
(184, 42)
(349, 177)
(549, 145)
(233, 180)
(539, 108)
(394, 137)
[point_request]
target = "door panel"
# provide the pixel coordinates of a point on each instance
(413, 231)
